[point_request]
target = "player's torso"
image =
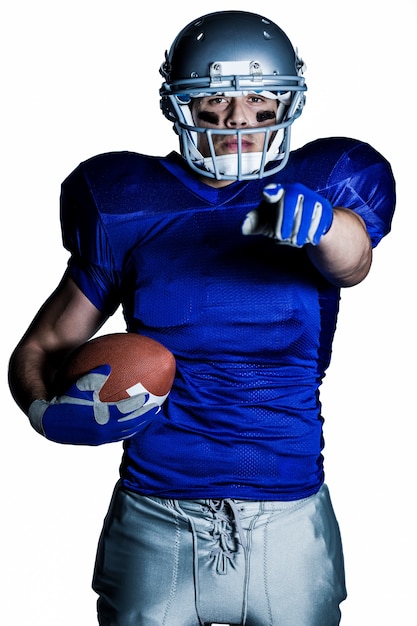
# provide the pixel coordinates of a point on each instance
(249, 321)
(250, 324)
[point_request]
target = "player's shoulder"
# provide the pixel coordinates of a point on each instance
(113, 165)
(350, 173)
(332, 152)
(111, 181)
(112, 159)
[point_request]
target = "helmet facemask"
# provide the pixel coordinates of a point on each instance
(233, 78)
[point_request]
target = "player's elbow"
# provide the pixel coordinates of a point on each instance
(353, 273)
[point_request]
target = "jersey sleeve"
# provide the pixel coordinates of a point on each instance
(91, 265)
(361, 179)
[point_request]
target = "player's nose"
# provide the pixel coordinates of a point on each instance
(236, 114)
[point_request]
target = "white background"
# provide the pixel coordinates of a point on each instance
(81, 77)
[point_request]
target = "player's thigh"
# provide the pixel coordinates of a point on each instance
(144, 565)
(296, 565)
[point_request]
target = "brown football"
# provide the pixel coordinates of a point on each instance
(136, 361)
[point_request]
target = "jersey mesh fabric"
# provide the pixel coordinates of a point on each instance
(250, 322)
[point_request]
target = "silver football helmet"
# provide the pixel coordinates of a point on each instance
(233, 53)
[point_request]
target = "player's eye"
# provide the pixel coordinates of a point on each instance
(217, 100)
(254, 99)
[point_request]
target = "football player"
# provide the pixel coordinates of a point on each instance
(232, 254)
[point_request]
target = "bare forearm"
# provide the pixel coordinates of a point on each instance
(344, 254)
(66, 320)
(29, 376)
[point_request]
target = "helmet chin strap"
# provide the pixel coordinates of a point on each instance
(228, 163)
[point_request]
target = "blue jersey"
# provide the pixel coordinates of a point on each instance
(250, 322)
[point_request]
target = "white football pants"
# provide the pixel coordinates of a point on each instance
(193, 563)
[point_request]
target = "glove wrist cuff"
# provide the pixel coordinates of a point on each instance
(35, 413)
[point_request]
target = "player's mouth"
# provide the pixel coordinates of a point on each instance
(230, 144)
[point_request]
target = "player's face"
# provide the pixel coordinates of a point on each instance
(233, 112)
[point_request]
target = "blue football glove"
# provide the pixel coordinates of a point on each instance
(291, 214)
(79, 417)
